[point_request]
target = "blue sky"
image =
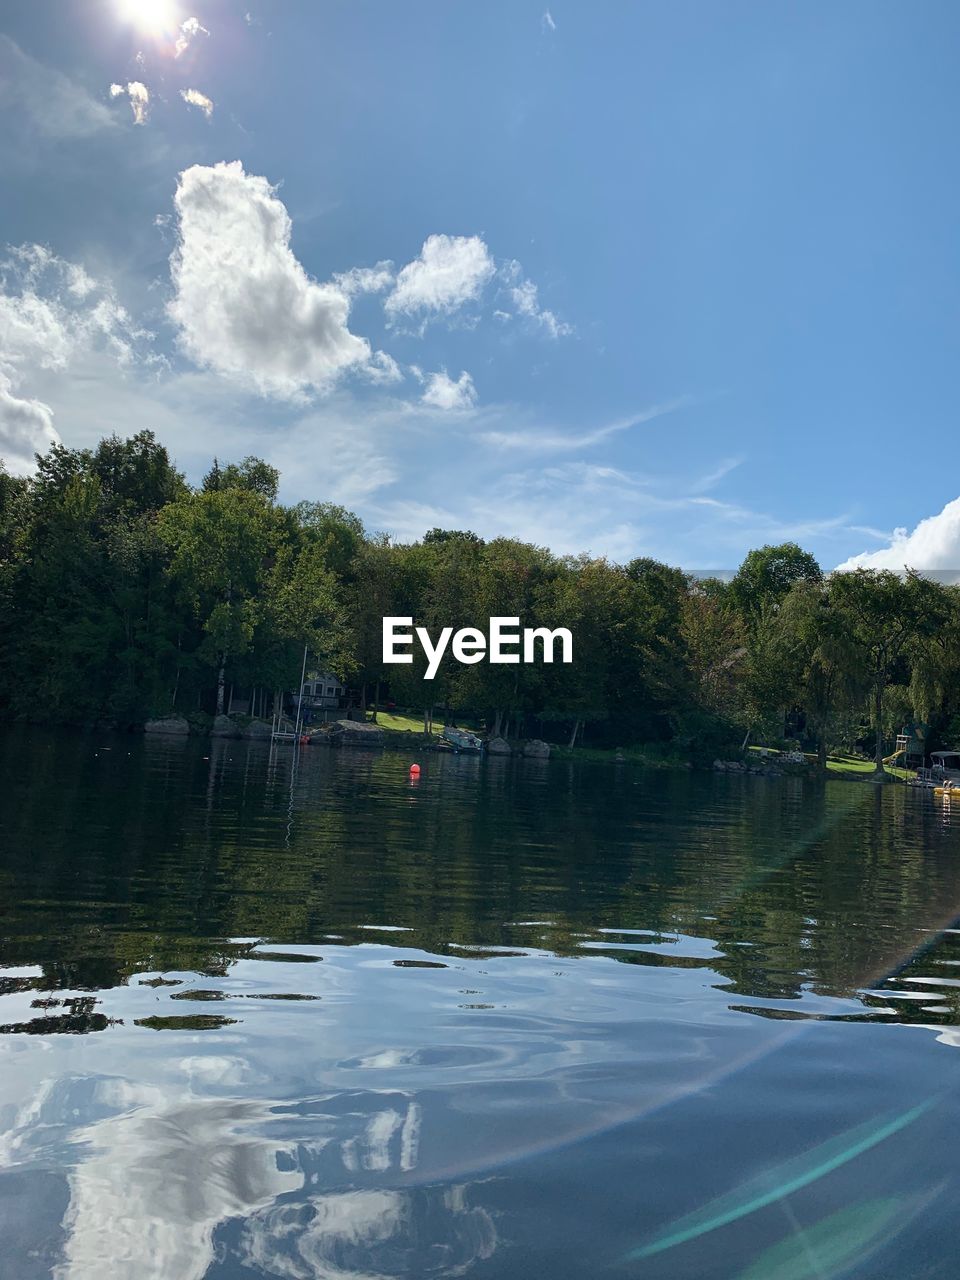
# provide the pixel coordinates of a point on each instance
(672, 279)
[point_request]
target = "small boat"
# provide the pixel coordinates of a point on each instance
(463, 740)
(945, 766)
(943, 775)
(944, 770)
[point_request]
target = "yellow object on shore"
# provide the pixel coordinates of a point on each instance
(947, 791)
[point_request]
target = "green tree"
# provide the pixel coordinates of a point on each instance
(883, 614)
(820, 661)
(219, 543)
(768, 573)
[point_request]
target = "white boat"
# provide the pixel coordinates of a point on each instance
(944, 767)
(463, 740)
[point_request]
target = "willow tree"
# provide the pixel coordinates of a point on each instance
(819, 660)
(883, 614)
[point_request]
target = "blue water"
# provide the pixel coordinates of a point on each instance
(304, 1018)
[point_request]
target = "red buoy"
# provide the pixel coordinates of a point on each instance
(414, 771)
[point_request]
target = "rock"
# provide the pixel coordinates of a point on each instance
(498, 747)
(175, 725)
(355, 733)
(537, 748)
(223, 727)
(258, 729)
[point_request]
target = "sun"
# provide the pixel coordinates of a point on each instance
(151, 17)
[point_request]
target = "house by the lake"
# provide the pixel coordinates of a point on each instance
(323, 691)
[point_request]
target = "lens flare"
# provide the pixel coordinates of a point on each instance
(786, 1179)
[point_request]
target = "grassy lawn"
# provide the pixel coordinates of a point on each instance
(401, 723)
(412, 722)
(854, 765)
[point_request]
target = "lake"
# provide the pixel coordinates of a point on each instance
(267, 1015)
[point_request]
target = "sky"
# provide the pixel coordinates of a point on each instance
(671, 279)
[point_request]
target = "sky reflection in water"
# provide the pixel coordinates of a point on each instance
(315, 1023)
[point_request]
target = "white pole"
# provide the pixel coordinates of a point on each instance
(303, 676)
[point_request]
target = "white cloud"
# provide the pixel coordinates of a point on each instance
(51, 310)
(551, 441)
(450, 271)
(56, 106)
(933, 544)
(139, 96)
(546, 22)
(523, 294)
(194, 98)
(442, 392)
(713, 478)
(189, 30)
(366, 279)
(383, 369)
(243, 304)
(26, 428)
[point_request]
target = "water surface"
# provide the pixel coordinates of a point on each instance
(301, 1017)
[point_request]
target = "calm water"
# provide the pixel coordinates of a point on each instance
(517, 1020)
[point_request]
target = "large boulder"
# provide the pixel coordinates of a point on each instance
(174, 725)
(537, 748)
(258, 729)
(498, 747)
(355, 733)
(223, 727)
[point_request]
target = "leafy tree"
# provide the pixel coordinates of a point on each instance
(882, 613)
(219, 543)
(252, 474)
(768, 573)
(820, 662)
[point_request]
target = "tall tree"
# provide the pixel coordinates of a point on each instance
(768, 573)
(219, 543)
(882, 614)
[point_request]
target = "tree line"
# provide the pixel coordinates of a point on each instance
(125, 593)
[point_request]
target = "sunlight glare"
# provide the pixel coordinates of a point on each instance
(151, 17)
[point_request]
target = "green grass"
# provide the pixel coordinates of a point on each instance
(399, 722)
(412, 722)
(854, 766)
(851, 766)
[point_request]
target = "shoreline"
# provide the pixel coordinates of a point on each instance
(840, 768)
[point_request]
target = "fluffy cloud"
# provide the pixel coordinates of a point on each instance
(26, 428)
(383, 369)
(524, 296)
(51, 310)
(450, 271)
(441, 392)
(194, 98)
(933, 544)
(55, 105)
(139, 96)
(366, 279)
(243, 304)
(189, 30)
